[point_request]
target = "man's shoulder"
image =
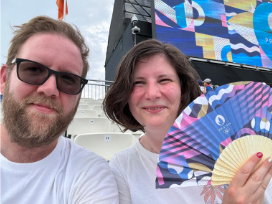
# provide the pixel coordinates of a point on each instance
(79, 156)
(83, 164)
(87, 173)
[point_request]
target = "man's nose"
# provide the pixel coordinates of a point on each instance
(49, 87)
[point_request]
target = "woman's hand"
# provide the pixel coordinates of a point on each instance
(246, 188)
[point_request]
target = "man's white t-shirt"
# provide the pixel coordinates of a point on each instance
(135, 172)
(70, 174)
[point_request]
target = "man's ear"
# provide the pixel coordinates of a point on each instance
(3, 78)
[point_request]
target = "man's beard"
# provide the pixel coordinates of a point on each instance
(30, 128)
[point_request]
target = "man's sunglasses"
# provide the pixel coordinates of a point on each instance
(34, 73)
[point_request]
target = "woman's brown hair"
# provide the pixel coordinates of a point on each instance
(115, 104)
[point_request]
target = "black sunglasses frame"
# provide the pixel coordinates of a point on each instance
(50, 71)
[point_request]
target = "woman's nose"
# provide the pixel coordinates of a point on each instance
(153, 91)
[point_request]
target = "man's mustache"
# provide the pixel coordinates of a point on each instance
(41, 99)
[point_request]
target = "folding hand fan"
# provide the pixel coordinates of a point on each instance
(215, 135)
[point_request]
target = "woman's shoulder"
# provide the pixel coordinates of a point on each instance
(126, 158)
(126, 153)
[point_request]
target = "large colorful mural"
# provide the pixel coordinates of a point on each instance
(237, 31)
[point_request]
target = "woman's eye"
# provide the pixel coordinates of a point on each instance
(165, 80)
(138, 82)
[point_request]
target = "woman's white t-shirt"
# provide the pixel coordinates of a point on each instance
(135, 172)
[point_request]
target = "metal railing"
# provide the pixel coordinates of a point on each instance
(95, 89)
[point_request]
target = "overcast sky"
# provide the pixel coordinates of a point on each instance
(92, 17)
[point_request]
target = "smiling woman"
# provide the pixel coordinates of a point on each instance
(154, 83)
(155, 99)
(116, 104)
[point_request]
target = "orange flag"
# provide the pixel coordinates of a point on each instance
(60, 4)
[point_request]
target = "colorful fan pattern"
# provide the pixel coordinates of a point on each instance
(207, 126)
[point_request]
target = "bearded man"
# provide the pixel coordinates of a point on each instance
(41, 83)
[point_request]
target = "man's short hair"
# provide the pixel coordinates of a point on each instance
(44, 24)
(116, 100)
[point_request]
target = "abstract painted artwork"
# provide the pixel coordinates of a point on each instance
(237, 31)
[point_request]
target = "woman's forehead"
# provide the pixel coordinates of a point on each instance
(158, 63)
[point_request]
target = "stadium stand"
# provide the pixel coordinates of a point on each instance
(84, 107)
(90, 128)
(88, 125)
(93, 102)
(105, 144)
(86, 113)
(97, 108)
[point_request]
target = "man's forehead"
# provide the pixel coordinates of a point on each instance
(45, 38)
(47, 48)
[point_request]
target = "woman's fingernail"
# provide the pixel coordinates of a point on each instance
(259, 154)
(270, 159)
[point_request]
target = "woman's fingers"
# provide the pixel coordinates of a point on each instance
(247, 188)
(242, 175)
(266, 168)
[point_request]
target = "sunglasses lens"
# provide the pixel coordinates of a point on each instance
(36, 74)
(32, 73)
(69, 83)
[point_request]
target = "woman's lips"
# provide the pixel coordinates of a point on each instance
(154, 109)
